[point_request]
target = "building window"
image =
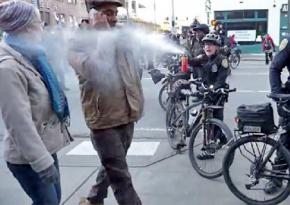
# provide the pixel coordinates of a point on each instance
(249, 14)
(45, 17)
(262, 14)
(241, 26)
(219, 15)
(235, 15)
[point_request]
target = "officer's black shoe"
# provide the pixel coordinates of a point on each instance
(273, 186)
(181, 144)
(205, 155)
(222, 141)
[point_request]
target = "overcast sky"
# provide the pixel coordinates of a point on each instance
(183, 9)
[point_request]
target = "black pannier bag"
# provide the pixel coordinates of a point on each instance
(257, 118)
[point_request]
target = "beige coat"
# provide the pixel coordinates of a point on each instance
(34, 131)
(110, 97)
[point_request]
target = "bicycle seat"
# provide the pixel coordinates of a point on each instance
(279, 97)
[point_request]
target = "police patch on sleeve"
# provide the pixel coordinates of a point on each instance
(225, 63)
(283, 44)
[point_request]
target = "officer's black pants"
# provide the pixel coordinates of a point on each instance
(280, 163)
(112, 145)
(268, 56)
(219, 114)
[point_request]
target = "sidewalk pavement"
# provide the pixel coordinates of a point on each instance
(162, 178)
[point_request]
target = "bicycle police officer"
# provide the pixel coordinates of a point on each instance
(213, 68)
(281, 60)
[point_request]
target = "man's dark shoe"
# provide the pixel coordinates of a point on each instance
(273, 186)
(84, 201)
(205, 155)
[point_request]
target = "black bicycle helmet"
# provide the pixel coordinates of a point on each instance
(201, 27)
(213, 38)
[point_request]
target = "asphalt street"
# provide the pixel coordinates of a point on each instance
(160, 175)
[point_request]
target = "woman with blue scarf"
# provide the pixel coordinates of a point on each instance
(33, 105)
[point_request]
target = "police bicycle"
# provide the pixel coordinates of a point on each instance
(234, 57)
(249, 163)
(204, 131)
(172, 65)
(233, 54)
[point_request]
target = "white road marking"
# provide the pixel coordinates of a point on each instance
(85, 148)
(253, 91)
(147, 78)
(250, 73)
(150, 129)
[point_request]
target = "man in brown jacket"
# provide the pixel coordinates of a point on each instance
(112, 101)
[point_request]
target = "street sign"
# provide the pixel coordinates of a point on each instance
(284, 8)
(243, 35)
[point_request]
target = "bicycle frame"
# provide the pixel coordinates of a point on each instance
(204, 113)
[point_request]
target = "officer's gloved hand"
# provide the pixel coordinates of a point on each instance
(49, 175)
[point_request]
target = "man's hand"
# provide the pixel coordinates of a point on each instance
(98, 20)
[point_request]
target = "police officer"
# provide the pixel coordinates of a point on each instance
(221, 32)
(213, 68)
(200, 31)
(281, 60)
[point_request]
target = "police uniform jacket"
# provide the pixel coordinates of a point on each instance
(212, 70)
(281, 60)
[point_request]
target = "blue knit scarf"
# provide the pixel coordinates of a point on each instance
(35, 53)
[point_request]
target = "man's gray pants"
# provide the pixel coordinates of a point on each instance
(112, 145)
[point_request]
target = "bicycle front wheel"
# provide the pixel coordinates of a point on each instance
(249, 165)
(234, 60)
(163, 97)
(207, 147)
(176, 125)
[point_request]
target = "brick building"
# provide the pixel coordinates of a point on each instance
(66, 12)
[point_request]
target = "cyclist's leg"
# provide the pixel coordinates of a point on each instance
(266, 57)
(271, 56)
(279, 163)
(217, 134)
(219, 114)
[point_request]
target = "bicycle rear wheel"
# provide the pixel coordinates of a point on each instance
(205, 139)
(176, 125)
(246, 177)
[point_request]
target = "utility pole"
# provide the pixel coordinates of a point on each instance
(127, 10)
(173, 16)
(155, 12)
(208, 9)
